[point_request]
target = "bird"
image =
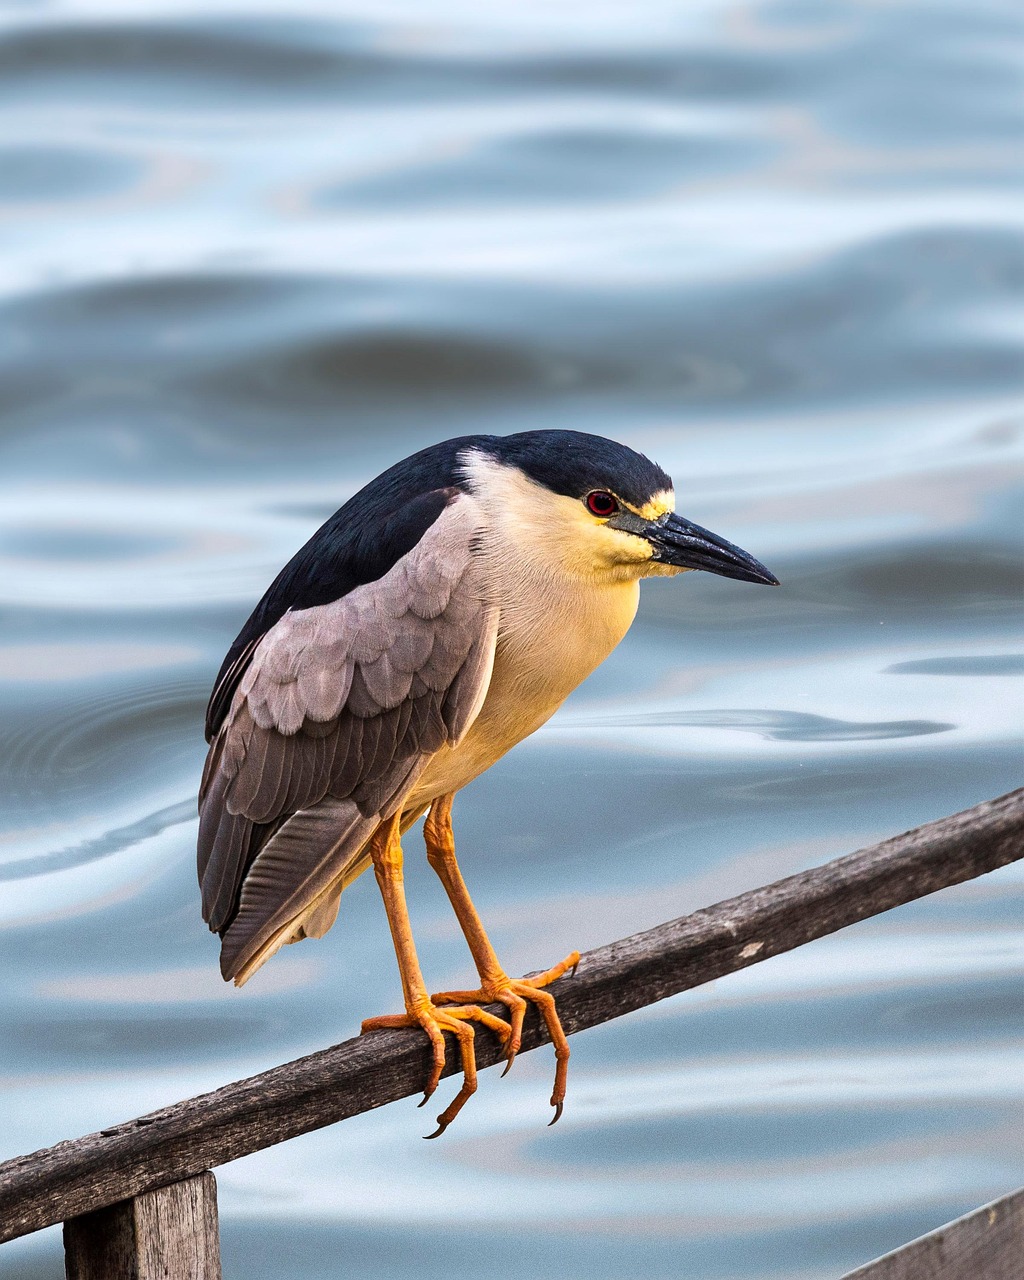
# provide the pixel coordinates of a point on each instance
(439, 617)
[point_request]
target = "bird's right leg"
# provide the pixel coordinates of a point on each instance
(496, 985)
(386, 851)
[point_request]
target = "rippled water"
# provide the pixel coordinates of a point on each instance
(255, 252)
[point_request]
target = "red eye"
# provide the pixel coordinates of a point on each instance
(601, 504)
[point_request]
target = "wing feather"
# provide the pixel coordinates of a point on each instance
(412, 645)
(340, 709)
(247, 782)
(307, 784)
(369, 740)
(386, 684)
(223, 691)
(323, 689)
(465, 695)
(361, 702)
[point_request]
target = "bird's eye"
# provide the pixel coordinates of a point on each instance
(601, 504)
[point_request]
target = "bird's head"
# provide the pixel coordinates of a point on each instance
(596, 508)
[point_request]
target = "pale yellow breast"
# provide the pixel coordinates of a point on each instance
(548, 644)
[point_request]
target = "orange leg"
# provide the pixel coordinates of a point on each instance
(420, 1011)
(495, 984)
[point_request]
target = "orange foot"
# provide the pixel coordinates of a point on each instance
(434, 1022)
(514, 994)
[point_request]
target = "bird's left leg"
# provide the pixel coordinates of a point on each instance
(420, 1011)
(495, 984)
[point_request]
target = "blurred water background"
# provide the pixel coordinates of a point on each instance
(254, 252)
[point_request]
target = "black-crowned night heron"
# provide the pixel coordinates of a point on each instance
(442, 615)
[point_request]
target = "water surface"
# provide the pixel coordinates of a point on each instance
(254, 253)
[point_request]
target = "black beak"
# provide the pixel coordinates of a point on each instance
(687, 546)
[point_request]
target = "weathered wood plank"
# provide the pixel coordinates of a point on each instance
(181, 1140)
(101, 1245)
(167, 1234)
(987, 1244)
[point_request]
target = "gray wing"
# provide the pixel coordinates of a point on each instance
(338, 713)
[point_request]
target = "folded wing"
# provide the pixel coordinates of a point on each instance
(339, 710)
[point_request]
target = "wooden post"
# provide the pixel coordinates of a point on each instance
(167, 1234)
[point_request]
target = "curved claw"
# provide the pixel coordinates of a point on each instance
(515, 995)
(434, 1022)
(464, 1094)
(559, 1108)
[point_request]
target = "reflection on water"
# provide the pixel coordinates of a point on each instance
(788, 726)
(256, 254)
(994, 664)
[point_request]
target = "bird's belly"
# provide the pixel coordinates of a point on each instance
(530, 681)
(502, 723)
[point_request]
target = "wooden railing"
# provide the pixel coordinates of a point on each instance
(987, 1244)
(137, 1199)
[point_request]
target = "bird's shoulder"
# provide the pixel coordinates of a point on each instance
(359, 544)
(380, 643)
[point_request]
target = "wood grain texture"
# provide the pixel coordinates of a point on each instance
(167, 1234)
(987, 1244)
(101, 1245)
(180, 1141)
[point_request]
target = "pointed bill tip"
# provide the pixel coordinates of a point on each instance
(686, 545)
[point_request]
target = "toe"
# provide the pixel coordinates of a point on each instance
(568, 965)
(466, 1037)
(456, 997)
(432, 1029)
(516, 1006)
(386, 1022)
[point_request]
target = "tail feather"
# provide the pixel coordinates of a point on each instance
(294, 882)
